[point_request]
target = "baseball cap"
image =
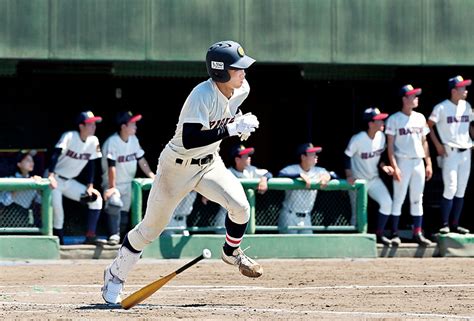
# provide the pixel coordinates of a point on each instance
(241, 150)
(408, 90)
(87, 117)
(373, 113)
(126, 117)
(458, 81)
(308, 148)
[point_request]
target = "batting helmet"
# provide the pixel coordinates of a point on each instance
(225, 55)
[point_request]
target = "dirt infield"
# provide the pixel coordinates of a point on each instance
(389, 289)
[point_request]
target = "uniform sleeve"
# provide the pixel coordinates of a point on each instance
(351, 148)
(426, 129)
(110, 150)
(390, 126)
(64, 141)
(139, 152)
(196, 109)
(471, 114)
(96, 153)
(436, 113)
(289, 171)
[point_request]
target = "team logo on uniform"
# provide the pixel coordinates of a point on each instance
(241, 51)
(217, 65)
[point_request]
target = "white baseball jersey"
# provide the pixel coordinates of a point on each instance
(365, 154)
(452, 122)
(206, 105)
(408, 132)
(75, 153)
(249, 172)
(125, 155)
(302, 200)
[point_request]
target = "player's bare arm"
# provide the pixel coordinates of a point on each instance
(434, 138)
(112, 174)
(146, 168)
(428, 165)
(397, 175)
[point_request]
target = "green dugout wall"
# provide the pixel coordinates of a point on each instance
(416, 32)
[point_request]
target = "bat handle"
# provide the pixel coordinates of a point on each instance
(189, 264)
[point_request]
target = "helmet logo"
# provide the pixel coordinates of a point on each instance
(241, 51)
(217, 65)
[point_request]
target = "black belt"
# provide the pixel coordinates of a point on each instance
(201, 161)
(299, 214)
(460, 150)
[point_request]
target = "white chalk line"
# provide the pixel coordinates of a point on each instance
(39, 288)
(249, 310)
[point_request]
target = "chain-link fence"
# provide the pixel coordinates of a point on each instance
(337, 207)
(25, 206)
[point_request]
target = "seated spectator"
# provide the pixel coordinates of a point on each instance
(242, 168)
(21, 208)
(298, 204)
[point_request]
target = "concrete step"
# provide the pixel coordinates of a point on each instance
(80, 252)
(408, 250)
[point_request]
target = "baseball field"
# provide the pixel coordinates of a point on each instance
(388, 289)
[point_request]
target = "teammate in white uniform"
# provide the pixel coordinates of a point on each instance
(406, 132)
(363, 154)
(75, 151)
(452, 119)
(243, 169)
(120, 154)
(298, 204)
(190, 161)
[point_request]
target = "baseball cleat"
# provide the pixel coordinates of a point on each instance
(421, 240)
(247, 266)
(114, 239)
(384, 240)
(396, 241)
(460, 230)
(112, 289)
(444, 230)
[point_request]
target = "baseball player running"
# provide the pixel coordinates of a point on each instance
(190, 161)
(407, 146)
(120, 155)
(243, 168)
(298, 204)
(452, 119)
(362, 158)
(75, 151)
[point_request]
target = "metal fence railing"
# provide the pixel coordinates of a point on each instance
(339, 207)
(25, 206)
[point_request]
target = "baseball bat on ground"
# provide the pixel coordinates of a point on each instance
(140, 295)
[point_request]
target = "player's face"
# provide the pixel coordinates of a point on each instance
(27, 164)
(412, 101)
(460, 92)
(131, 128)
(237, 77)
(243, 161)
(88, 129)
(309, 159)
(379, 124)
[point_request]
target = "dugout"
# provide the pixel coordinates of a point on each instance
(294, 102)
